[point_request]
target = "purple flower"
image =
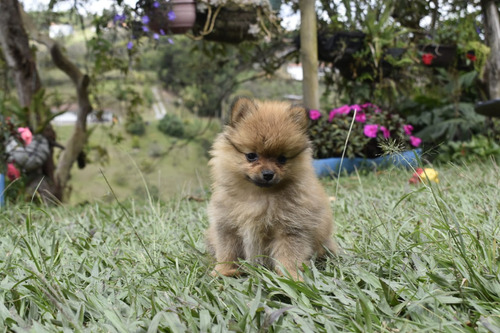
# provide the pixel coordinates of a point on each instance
(415, 141)
(145, 19)
(119, 17)
(145, 29)
(156, 4)
(314, 114)
(162, 32)
(361, 117)
(171, 15)
(130, 45)
(170, 40)
(385, 132)
(156, 36)
(408, 129)
(370, 131)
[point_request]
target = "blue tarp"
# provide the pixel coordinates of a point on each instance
(2, 187)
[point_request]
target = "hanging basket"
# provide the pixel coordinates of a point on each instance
(184, 16)
(439, 55)
(229, 25)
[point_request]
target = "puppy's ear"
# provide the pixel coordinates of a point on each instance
(299, 115)
(241, 107)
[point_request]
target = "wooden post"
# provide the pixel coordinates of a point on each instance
(309, 54)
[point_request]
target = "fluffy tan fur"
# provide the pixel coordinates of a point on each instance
(267, 205)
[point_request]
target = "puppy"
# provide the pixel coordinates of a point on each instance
(267, 205)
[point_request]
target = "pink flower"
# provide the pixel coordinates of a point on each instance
(314, 114)
(25, 135)
(415, 141)
(370, 131)
(356, 107)
(360, 117)
(366, 105)
(331, 115)
(12, 172)
(341, 110)
(385, 132)
(408, 129)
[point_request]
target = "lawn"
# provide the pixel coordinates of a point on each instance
(416, 258)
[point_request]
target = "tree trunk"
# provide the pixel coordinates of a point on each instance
(19, 57)
(492, 23)
(309, 54)
(17, 52)
(77, 141)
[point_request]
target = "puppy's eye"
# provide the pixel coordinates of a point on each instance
(282, 159)
(252, 157)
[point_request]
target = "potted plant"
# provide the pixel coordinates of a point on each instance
(437, 55)
(361, 134)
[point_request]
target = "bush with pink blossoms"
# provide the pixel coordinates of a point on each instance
(373, 128)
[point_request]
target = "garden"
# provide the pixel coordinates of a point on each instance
(103, 220)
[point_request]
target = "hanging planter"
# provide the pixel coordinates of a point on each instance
(231, 22)
(439, 55)
(175, 16)
(489, 108)
(340, 47)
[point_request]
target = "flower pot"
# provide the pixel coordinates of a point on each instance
(185, 17)
(439, 55)
(339, 45)
(489, 108)
(340, 49)
(230, 24)
(335, 165)
(396, 53)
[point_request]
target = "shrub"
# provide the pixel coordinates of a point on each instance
(171, 125)
(135, 126)
(372, 129)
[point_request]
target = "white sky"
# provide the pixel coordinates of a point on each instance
(93, 6)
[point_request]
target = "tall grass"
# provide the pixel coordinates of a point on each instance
(415, 258)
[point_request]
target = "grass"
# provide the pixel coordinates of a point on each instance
(416, 258)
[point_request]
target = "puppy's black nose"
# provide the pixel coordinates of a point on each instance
(268, 175)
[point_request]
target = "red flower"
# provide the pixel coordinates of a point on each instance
(471, 56)
(427, 58)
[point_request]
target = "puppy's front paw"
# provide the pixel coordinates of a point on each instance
(225, 269)
(292, 270)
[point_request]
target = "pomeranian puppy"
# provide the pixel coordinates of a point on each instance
(267, 206)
